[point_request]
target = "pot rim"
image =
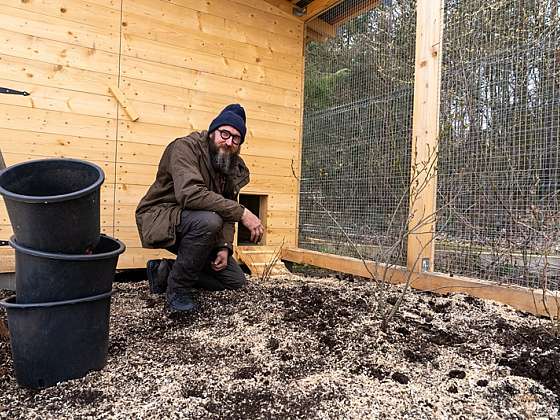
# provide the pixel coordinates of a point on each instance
(8, 302)
(70, 257)
(45, 199)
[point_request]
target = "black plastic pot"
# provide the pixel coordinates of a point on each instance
(57, 341)
(53, 204)
(50, 277)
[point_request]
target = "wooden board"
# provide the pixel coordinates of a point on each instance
(206, 62)
(175, 76)
(26, 70)
(55, 52)
(58, 99)
(56, 122)
(262, 261)
(246, 19)
(58, 29)
(98, 13)
(172, 92)
(137, 257)
(269, 36)
(34, 145)
(153, 29)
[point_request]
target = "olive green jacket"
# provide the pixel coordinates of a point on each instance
(186, 180)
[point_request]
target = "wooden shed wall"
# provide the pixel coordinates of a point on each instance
(178, 62)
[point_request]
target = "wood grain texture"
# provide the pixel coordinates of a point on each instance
(177, 63)
(425, 133)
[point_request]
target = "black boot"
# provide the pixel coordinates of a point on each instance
(157, 271)
(180, 300)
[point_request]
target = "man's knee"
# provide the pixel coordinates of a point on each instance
(238, 281)
(235, 278)
(207, 221)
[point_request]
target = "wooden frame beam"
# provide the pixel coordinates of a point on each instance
(425, 133)
(317, 7)
(521, 298)
(311, 35)
(321, 27)
(2, 161)
(358, 9)
(285, 6)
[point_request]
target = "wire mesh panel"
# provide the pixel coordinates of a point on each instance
(499, 161)
(357, 131)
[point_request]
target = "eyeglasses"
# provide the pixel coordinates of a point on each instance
(235, 139)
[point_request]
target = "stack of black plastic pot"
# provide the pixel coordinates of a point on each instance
(59, 318)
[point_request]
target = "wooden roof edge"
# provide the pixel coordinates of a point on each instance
(285, 7)
(352, 12)
(317, 7)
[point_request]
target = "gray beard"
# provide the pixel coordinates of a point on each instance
(224, 162)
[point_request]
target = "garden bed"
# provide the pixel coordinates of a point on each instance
(307, 348)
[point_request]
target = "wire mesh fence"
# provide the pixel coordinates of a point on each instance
(499, 149)
(357, 131)
(499, 142)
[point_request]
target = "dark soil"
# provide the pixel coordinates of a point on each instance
(307, 348)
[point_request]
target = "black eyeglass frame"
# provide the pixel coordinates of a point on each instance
(225, 134)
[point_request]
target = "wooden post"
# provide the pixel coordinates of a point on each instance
(2, 162)
(297, 168)
(425, 132)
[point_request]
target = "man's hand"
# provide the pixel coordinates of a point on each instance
(221, 260)
(253, 223)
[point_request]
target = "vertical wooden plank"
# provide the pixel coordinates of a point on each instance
(425, 132)
(263, 214)
(297, 164)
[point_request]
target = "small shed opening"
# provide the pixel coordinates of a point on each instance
(258, 205)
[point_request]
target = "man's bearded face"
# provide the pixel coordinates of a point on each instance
(223, 153)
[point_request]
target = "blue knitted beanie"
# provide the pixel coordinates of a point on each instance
(233, 115)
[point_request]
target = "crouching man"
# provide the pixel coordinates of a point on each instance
(191, 208)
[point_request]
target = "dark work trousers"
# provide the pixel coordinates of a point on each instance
(196, 238)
